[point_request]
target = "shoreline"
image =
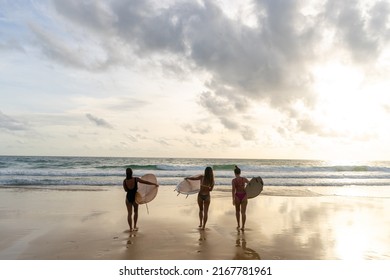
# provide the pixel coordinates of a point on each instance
(91, 225)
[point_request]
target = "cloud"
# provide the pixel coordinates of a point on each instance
(228, 123)
(136, 137)
(98, 121)
(163, 141)
(313, 127)
(11, 124)
(271, 61)
(199, 128)
(70, 52)
(132, 138)
(363, 32)
(11, 45)
(228, 111)
(254, 63)
(197, 143)
(386, 108)
(248, 133)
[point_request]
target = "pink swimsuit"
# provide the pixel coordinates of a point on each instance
(240, 195)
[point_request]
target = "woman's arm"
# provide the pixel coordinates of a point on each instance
(233, 191)
(195, 178)
(124, 186)
(145, 182)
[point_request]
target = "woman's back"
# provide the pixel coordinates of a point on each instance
(239, 184)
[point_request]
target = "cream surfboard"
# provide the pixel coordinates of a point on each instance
(188, 187)
(146, 193)
(254, 187)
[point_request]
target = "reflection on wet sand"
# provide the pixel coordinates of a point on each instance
(202, 241)
(323, 228)
(311, 228)
(202, 236)
(130, 240)
(277, 227)
(292, 228)
(242, 251)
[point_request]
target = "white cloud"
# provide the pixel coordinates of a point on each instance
(11, 124)
(306, 62)
(198, 128)
(98, 121)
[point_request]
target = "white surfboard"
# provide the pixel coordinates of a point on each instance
(146, 193)
(188, 187)
(254, 187)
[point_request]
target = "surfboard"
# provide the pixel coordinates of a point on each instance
(146, 193)
(188, 187)
(254, 187)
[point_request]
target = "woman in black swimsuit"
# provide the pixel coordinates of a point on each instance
(130, 185)
(206, 186)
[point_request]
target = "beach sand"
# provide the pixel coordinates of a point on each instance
(91, 225)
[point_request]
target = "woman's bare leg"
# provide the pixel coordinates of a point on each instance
(135, 205)
(237, 204)
(129, 214)
(205, 212)
(243, 212)
(200, 204)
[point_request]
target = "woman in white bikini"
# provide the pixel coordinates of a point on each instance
(206, 186)
(240, 200)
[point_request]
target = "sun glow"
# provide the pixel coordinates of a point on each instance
(351, 246)
(346, 106)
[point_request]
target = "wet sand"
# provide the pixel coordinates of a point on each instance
(91, 225)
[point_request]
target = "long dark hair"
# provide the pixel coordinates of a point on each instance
(237, 170)
(129, 173)
(208, 179)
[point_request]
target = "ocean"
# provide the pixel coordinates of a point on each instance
(281, 177)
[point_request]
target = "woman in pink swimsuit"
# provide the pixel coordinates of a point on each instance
(240, 200)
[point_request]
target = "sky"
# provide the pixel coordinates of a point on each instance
(272, 79)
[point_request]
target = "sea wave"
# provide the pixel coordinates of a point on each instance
(87, 171)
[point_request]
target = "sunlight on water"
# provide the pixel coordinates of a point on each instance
(350, 245)
(356, 234)
(377, 191)
(347, 191)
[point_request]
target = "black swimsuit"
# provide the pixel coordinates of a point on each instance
(130, 195)
(204, 197)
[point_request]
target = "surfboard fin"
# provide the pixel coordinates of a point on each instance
(147, 208)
